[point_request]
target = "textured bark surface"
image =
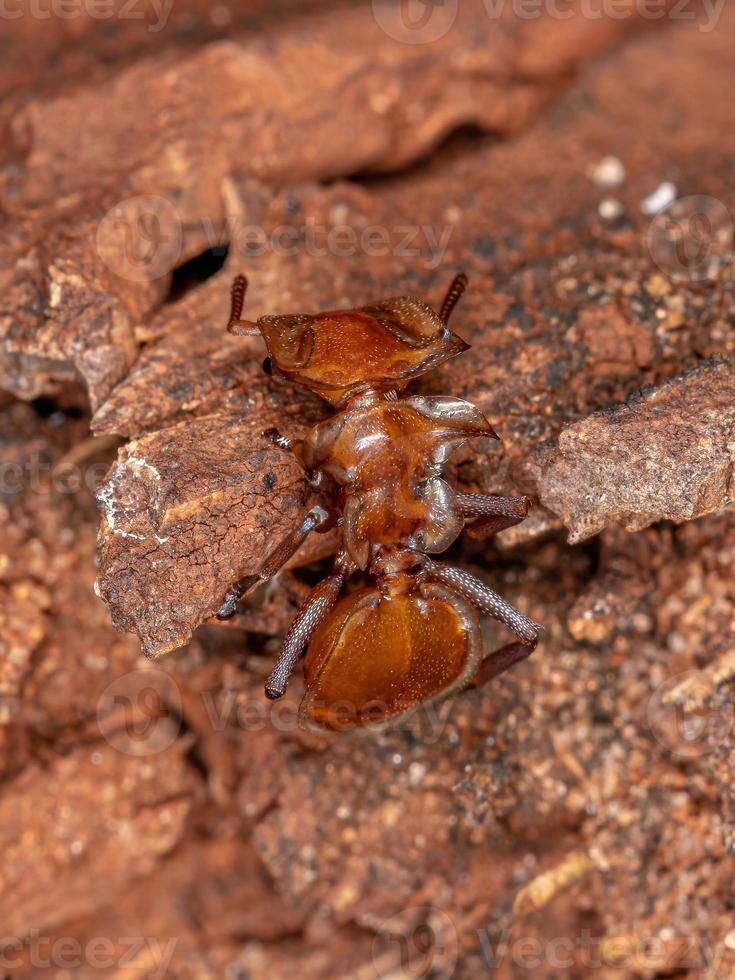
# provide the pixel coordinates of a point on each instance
(81, 271)
(575, 819)
(667, 455)
(173, 544)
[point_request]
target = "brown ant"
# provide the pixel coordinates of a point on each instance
(412, 637)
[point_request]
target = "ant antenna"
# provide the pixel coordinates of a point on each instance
(242, 328)
(454, 293)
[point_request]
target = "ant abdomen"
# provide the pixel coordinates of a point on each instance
(375, 660)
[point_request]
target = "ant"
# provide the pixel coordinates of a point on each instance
(413, 636)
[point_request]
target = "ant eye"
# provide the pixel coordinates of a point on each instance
(268, 365)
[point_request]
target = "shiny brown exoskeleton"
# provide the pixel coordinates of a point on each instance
(413, 637)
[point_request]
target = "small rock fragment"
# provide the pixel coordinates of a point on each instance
(610, 209)
(662, 197)
(666, 456)
(609, 172)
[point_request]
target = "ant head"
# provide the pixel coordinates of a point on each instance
(345, 351)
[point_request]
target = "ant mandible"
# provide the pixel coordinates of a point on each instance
(412, 637)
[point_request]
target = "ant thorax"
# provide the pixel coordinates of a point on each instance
(388, 454)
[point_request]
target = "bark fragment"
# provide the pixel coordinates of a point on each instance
(669, 454)
(185, 513)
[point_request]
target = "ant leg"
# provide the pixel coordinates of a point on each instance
(277, 558)
(278, 439)
(295, 446)
(454, 293)
(500, 660)
(235, 325)
(493, 513)
(487, 601)
(313, 610)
